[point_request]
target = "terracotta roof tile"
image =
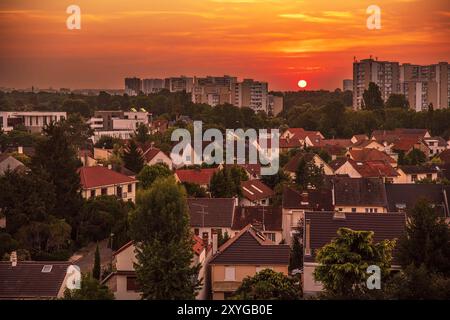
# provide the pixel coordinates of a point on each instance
(97, 176)
(369, 154)
(197, 176)
(255, 190)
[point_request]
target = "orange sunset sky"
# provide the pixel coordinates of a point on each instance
(279, 41)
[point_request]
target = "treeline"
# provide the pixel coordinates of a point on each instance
(326, 111)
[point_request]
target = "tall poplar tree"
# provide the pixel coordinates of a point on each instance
(160, 229)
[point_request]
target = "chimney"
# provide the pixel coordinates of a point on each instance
(214, 243)
(304, 198)
(333, 199)
(242, 212)
(308, 237)
(13, 258)
(20, 149)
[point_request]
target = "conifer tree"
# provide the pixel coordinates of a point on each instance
(132, 157)
(96, 270)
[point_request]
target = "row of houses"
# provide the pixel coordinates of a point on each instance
(392, 142)
(260, 235)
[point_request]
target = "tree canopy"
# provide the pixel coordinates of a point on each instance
(344, 261)
(268, 285)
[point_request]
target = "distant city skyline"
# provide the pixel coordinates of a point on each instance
(275, 41)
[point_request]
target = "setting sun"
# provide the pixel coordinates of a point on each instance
(302, 83)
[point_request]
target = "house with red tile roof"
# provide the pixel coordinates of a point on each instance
(319, 142)
(200, 176)
(295, 138)
(436, 145)
(244, 255)
(406, 145)
(399, 133)
(369, 144)
(444, 156)
(370, 154)
(412, 174)
(153, 155)
(255, 193)
(359, 138)
(364, 169)
(98, 181)
(292, 165)
(159, 126)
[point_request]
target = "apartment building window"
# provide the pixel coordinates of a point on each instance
(230, 273)
(104, 191)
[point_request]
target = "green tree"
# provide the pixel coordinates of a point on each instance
(308, 174)
(415, 157)
(132, 157)
(268, 285)
(344, 261)
(426, 241)
(397, 101)
(101, 216)
(141, 135)
(77, 130)
(149, 174)
(160, 228)
(223, 184)
(296, 257)
(107, 142)
(222, 238)
(56, 160)
(194, 190)
(417, 283)
(96, 270)
(372, 97)
(91, 289)
(79, 106)
(273, 180)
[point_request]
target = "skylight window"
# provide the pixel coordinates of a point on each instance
(47, 268)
